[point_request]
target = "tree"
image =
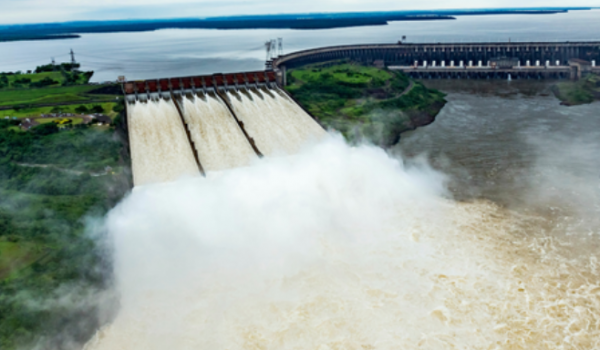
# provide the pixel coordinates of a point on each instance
(3, 81)
(81, 110)
(97, 109)
(45, 129)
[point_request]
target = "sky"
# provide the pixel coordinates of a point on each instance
(45, 11)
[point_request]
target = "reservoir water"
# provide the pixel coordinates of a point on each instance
(172, 53)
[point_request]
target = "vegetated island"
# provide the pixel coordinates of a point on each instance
(583, 91)
(364, 103)
(52, 31)
(63, 157)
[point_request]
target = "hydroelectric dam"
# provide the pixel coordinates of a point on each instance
(197, 125)
(202, 124)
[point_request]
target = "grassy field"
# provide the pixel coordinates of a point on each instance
(345, 74)
(364, 102)
(43, 96)
(15, 257)
(586, 90)
(33, 112)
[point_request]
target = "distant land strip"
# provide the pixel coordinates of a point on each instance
(26, 37)
(72, 30)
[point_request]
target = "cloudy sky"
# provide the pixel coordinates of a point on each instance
(44, 11)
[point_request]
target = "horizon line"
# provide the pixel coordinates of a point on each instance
(257, 16)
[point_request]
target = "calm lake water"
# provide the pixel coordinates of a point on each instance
(169, 53)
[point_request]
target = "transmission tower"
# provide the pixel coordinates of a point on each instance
(273, 48)
(73, 57)
(280, 46)
(53, 62)
(268, 48)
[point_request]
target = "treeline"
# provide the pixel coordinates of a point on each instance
(57, 67)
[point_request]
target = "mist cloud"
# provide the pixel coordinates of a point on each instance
(337, 247)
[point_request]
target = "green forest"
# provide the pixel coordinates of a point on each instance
(364, 103)
(51, 181)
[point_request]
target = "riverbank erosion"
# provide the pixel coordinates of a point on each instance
(364, 103)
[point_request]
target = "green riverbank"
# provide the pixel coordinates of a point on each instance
(572, 93)
(364, 103)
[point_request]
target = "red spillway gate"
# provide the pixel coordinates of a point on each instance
(175, 84)
(229, 80)
(219, 80)
(251, 78)
(164, 84)
(187, 83)
(240, 78)
(199, 82)
(152, 85)
(141, 86)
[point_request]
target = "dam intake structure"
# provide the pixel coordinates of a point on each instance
(198, 125)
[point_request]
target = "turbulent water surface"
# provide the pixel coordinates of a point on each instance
(219, 141)
(492, 247)
(160, 150)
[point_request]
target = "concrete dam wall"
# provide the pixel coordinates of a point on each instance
(457, 60)
(198, 125)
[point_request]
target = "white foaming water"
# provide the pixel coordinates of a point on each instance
(218, 139)
(160, 150)
(340, 248)
(277, 127)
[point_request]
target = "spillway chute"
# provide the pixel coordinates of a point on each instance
(219, 122)
(268, 119)
(218, 139)
(159, 145)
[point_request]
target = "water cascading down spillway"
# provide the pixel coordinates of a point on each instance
(180, 130)
(218, 139)
(160, 150)
(273, 120)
